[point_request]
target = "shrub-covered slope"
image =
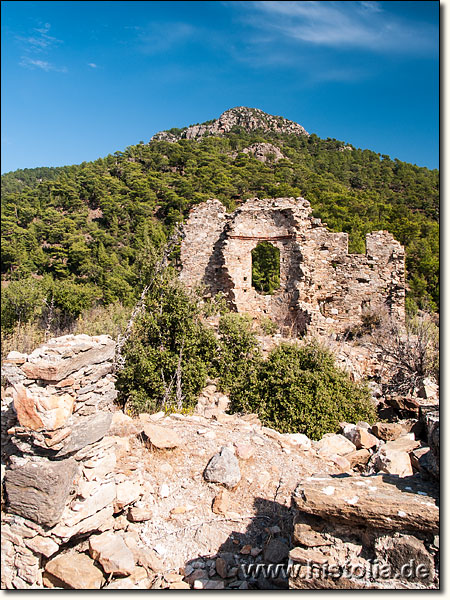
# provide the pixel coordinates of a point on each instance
(87, 234)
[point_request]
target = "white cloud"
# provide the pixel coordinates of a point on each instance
(33, 63)
(36, 48)
(40, 39)
(92, 65)
(371, 6)
(337, 24)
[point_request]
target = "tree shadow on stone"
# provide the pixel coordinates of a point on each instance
(240, 562)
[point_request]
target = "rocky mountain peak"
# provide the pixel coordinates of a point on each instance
(250, 119)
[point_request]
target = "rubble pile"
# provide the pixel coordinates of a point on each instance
(97, 499)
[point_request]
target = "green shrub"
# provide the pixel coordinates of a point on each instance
(238, 357)
(169, 354)
(297, 389)
(22, 301)
(267, 326)
(300, 389)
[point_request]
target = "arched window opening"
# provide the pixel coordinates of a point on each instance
(266, 268)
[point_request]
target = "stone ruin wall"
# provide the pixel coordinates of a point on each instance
(322, 287)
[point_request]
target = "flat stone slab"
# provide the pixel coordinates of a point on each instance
(161, 437)
(379, 501)
(75, 571)
(112, 553)
(39, 489)
(86, 430)
(56, 368)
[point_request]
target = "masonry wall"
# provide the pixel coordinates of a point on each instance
(200, 252)
(322, 287)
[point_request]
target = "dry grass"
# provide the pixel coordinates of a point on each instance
(110, 320)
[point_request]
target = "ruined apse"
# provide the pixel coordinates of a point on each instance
(322, 288)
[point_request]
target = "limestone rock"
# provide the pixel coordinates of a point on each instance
(38, 489)
(96, 521)
(251, 119)
(429, 389)
(75, 571)
(221, 503)
(179, 585)
(164, 491)
(26, 408)
(17, 358)
(299, 440)
(103, 496)
(161, 437)
(138, 514)
(150, 561)
(334, 443)
(244, 451)
(358, 458)
(112, 553)
(394, 462)
(379, 501)
(387, 431)
(340, 461)
(303, 557)
(86, 431)
(41, 411)
(405, 443)
(42, 545)
(308, 531)
(264, 152)
(128, 583)
(127, 492)
(416, 456)
(360, 437)
(223, 468)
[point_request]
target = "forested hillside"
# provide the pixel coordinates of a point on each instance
(74, 237)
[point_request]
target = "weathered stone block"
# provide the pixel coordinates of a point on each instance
(379, 501)
(85, 431)
(37, 411)
(38, 490)
(75, 571)
(223, 468)
(112, 553)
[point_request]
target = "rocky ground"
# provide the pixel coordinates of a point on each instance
(97, 499)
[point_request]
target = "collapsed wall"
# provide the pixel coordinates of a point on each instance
(322, 287)
(56, 411)
(97, 499)
(376, 532)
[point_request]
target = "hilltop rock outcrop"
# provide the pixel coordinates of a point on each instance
(249, 119)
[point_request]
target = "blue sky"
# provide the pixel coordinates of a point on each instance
(81, 80)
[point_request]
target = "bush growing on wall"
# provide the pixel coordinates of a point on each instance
(171, 352)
